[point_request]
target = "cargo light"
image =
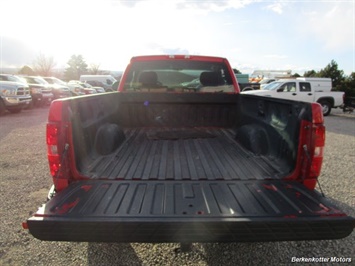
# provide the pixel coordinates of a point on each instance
(179, 56)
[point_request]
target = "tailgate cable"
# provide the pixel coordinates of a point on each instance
(310, 161)
(321, 190)
(65, 152)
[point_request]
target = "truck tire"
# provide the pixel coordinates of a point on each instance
(2, 107)
(326, 107)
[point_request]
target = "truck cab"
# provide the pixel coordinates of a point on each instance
(305, 90)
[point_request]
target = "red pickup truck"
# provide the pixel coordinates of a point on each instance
(179, 155)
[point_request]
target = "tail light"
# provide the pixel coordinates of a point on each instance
(56, 146)
(319, 141)
(52, 148)
(313, 148)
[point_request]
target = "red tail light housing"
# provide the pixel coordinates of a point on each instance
(52, 148)
(312, 142)
(57, 146)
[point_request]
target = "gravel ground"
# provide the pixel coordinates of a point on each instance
(25, 181)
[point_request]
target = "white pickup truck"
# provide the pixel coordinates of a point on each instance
(305, 90)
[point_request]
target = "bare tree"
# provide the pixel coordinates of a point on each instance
(43, 65)
(94, 69)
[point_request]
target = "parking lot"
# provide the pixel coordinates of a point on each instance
(25, 181)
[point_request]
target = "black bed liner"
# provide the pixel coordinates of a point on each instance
(188, 211)
(151, 153)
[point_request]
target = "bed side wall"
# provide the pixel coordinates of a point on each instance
(266, 127)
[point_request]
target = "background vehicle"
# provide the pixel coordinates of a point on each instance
(266, 81)
(106, 81)
(40, 89)
(245, 84)
(259, 75)
(349, 104)
(98, 84)
(14, 96)
(304, 89)
(60, 89)
(79, 88)
(98, 89)
(164, 161)
(10, 77)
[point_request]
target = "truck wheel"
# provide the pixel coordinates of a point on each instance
(326, 106)
(2, 107)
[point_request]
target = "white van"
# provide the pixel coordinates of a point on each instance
(105, 81)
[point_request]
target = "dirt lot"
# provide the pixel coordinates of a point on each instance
(25, 181)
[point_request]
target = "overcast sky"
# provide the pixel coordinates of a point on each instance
(299, 35)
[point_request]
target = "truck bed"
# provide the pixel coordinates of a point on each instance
(181, 154)
(169, 160)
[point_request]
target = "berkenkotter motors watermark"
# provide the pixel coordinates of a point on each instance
(321, 259)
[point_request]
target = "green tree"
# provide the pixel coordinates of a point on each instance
(310, 73)
(296, 75)
(348, 85)
(26, 70)
(77, 67)
(236, 71)
(332, 71)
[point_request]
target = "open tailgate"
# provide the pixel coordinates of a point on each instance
(188, 211)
